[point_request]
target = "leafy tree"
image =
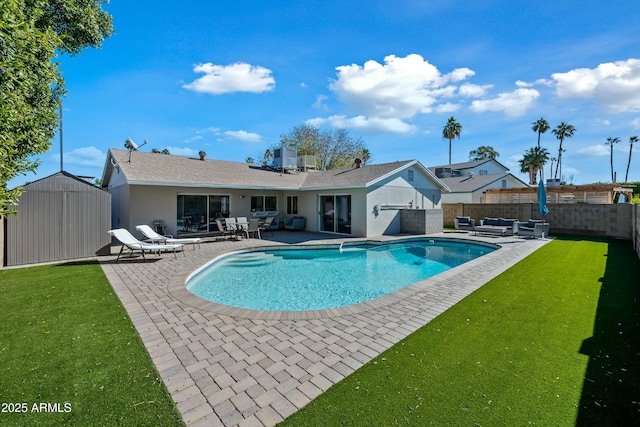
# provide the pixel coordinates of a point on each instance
(562, 131)
(540, 126)
(267, 158)
(249, 160)
(32, 33)
(482, 153)
(533, 161)
(632, 140)
(611, 141)
(333, 150)
(163, 151)
(451, 130)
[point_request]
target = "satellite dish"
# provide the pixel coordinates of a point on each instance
(113, 162)
(134, 145)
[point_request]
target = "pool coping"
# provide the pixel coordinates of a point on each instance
(177, 285)
(227, 370)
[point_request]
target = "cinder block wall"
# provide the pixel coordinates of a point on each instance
(613, 220)
(421, 221)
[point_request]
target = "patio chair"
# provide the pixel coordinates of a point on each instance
(154, 237)
(464, 223)
(253, 228)
(134, 244)
(535, 228)
(268, 225)
(224, 230)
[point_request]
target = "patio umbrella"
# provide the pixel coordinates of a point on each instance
(542, 203)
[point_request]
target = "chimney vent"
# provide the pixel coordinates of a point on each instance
(358, 162)
(202, 154)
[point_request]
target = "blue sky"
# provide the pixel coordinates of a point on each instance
(230, 77)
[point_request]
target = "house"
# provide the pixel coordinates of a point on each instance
(469, 180)
(60, 217)
(186, 194)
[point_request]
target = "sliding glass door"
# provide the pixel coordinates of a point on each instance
(197, 213)
(335, 214)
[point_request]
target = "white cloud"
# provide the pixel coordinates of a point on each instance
(238, 77)
(193, 139)
(636, 123)
(615, 85)
(474, 91)
(447, 108)
(399, 89)
(366, 124)
(514, 104)
(242, 135)
(86, 156)
(597, 150)
(320, 103)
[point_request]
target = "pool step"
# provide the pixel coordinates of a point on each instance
(251, 259)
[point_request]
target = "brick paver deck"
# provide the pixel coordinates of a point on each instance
(228, 367)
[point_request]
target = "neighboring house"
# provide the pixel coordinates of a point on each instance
(188, 194)
(468, 181)
(60, 217)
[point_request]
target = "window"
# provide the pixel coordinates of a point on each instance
(410, 175)
(264, 203)
(292, 205)
(504, 183)
(483, 172)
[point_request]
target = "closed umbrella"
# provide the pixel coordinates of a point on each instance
(542, 203)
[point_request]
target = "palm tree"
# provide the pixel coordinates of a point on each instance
(562, 131)
(553, 159)
(631, 141)
(482, 153)
(533, 161)
(540, 126)
(611, 141)
(451, 130)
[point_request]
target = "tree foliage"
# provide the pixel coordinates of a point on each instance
(562, 131)
(483, 152)
(32, 34)
(333, 149)
(611, 141)
(540, 126)
(451, 130)
(533, 161)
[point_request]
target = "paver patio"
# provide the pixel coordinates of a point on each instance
(228, 367)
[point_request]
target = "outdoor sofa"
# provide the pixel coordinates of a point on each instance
(502, 226)
(464, 223)
(295, 223)
(535, 228)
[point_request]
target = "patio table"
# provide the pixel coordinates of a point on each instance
(491, 229)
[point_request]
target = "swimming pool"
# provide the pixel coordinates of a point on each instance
(323, 277)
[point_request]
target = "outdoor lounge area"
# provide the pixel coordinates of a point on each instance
(275, 370)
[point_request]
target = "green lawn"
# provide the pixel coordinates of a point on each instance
(66, 341)
(554, 341)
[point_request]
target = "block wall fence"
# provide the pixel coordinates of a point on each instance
(612, 220)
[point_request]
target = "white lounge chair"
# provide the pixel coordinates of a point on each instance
(134, 244)
(154, 237)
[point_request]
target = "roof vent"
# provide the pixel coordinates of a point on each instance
(202, 154)
(358, 162)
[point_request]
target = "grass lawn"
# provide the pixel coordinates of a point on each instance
(66, 341)
(555, 340)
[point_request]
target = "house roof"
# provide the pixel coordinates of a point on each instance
(167, 170)
(469, 165)
(469, 184)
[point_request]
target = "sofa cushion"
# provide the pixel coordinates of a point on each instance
(532, 223)
(463, 219)
(491, 221)
(507, 222)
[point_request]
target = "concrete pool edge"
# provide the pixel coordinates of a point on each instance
(177, 285)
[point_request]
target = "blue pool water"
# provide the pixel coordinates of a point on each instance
(317, 278)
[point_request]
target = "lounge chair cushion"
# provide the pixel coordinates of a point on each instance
(463, 219)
